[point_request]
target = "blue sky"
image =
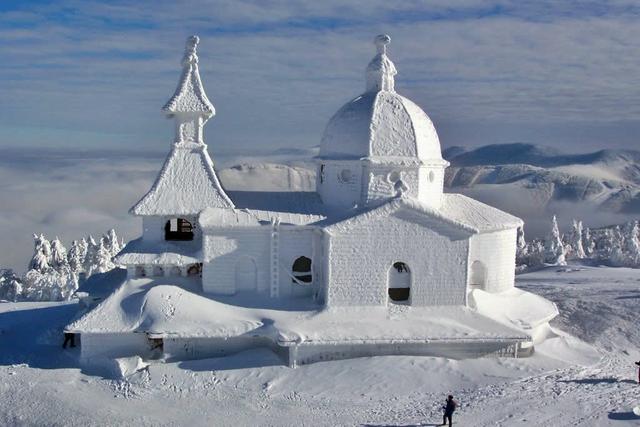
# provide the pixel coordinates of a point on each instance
(90, 74)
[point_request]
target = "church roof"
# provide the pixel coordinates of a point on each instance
(189, 96)
(186, 185)
(380, 122)
(457, 211)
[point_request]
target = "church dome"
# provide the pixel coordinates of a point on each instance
(380, 122)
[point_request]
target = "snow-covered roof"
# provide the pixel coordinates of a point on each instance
(457, 211)
(212, 218)
(189, 96)
(186, 185)
(514, 307)
(300, 202)
(141, 252)
(380, 122)
(174, 307)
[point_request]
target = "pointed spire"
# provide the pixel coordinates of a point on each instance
(381, 70)
(190, 96)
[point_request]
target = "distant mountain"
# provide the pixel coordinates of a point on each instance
(530, 181)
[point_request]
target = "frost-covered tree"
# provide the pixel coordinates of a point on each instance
(58, 256)
(111, 242)
(41, 259)
(10, 286)
(76, 256)
(574, 241)
(588, 243)
(103, 257)
(632, 244)
(91, 257)
(555, 252)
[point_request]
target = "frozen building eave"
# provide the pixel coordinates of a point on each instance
(457, 212)
(139, 252)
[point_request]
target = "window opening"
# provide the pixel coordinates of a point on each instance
(302, 270)
(178, 229)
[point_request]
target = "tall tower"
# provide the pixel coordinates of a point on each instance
(380, 145)
(187, 183)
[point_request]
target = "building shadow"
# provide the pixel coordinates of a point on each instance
(598, 381)
(33, 336)
(623, 416)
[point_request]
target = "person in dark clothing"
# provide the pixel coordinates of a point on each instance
(69, 338)
(638, 363)
(449, 408)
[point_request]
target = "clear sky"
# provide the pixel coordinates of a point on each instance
(93, 74)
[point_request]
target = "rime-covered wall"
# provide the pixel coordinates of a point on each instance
(431, 185)
(340, 183)
(225, 249)
(497, 251)
(360, 256)
(112, 345)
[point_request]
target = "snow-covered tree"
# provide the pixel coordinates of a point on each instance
(41, 259)
(103, 257)
(554, 248)
(10, 286)
(76, 256)
(58, 255)
(112, 243)
(632, 234)
(588, 243)
(574, 241)
(91, 257)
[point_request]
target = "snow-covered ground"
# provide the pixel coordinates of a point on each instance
(565, 383)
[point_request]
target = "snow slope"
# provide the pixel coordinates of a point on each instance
(564, 383)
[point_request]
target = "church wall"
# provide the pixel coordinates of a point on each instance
(222, 251)
(340, 182)
(431, 185)
(294, 243)
(381, 181)
(359, 260)
(497, 251)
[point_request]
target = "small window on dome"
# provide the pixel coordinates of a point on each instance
(345, 176)
(432, 176)
(393, 177)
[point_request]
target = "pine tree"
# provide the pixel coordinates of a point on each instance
(10, 286)
(554, 248)
(575, 240)
(632, 243)
(76, 255)
(91, 257)
(111, 242)
(41, 260)
(588, 242)
(59, 256)
(103, 261)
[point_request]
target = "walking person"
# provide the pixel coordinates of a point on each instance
(69, 338)
(449, 408)
(638, 363)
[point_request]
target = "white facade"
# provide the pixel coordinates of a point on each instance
(382, 234)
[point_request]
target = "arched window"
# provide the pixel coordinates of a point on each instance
(178, 229)
(302, 270)
(478, 277)
(399, 282)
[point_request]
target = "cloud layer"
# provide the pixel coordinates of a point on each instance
(94, 74)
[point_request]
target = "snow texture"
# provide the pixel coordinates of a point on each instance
(186, 185)
(190, 95)
(380, 122)
(141, 252)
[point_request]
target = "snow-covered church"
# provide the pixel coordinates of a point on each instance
(377, 261)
